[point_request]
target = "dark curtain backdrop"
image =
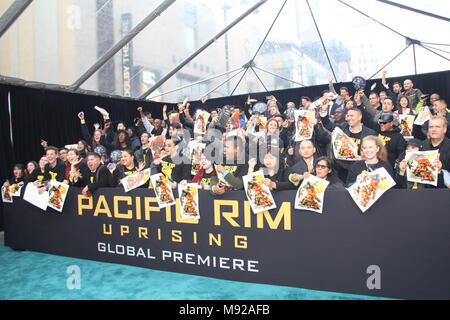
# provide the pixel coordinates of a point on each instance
(52, 116)
(438, 82)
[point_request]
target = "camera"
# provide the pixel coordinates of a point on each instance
(224, 114)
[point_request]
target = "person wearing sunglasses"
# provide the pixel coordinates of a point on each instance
(324, 169)
(391, 137)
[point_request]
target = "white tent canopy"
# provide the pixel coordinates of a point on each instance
(168, 50)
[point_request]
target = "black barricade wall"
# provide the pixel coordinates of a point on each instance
(399, 248)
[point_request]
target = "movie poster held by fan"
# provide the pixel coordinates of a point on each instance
(258, 193)
(310, 194)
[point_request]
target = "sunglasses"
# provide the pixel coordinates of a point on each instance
(321, 166)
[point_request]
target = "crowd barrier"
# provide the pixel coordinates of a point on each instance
(399, 248)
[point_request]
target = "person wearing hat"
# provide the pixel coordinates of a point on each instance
(391, 137)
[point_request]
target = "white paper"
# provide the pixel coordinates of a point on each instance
(163, 190)
(189, 206)
(258, 194)
(420, 167)
(71, 146)
(57, 195)
(136, 180)
(344, 148)
(369, 187)
(102, 111)
(310, 194)
(32, 196)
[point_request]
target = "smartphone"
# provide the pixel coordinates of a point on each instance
(111, 166)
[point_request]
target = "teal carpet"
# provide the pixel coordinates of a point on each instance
(28, 275)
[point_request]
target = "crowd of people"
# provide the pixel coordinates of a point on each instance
(240, 140)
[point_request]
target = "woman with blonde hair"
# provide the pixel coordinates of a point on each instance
(374, 156)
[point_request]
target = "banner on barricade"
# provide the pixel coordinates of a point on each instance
(332, 251)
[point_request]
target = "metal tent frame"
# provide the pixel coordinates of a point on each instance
(19, 6)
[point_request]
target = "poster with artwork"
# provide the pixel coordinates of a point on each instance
(6, 194)
(57, 193)
(406, 123)
(163, 190)
(201, 121)
(195, 153)
(262, 123)
(310, 194)
(189, 207)
(369, 187)
(235, 121)
(156, 145)
(136, 180)
(420, 167)
(258, 194)
(304, 124)
(344, 148)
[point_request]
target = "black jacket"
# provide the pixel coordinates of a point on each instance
(100, 178)
(174, 171)
(56, 173)
(444, 156)
(394, 142)
(360, 166)
(279, 179)
(234, 177)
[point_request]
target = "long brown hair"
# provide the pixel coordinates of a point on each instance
(382, 152)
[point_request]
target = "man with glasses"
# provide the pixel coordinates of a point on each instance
(437, 141)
